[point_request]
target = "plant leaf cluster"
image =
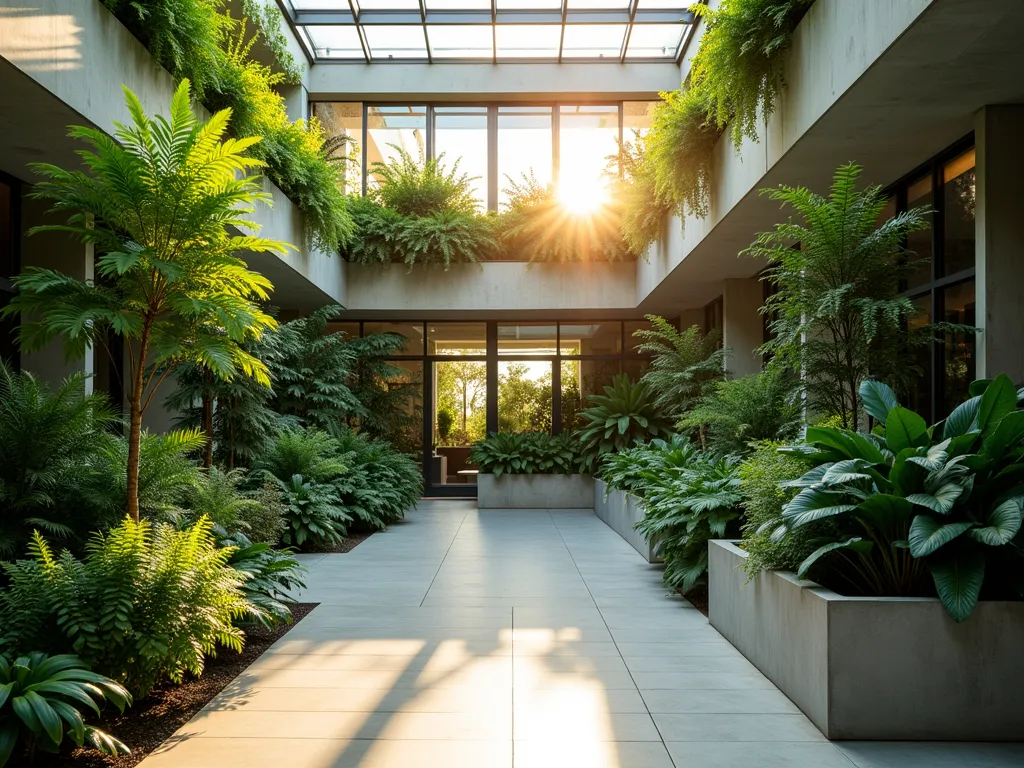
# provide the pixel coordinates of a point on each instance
(526, 453)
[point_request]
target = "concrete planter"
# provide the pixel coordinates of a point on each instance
(535, 492)
(621, 511)
(875, 668)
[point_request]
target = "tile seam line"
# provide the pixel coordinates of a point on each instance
(608, 629)
(441, 564)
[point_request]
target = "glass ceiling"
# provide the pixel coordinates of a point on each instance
(492, 30)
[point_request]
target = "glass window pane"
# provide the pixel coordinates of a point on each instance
(456, 338)
(390, 127)
(593, 40)
(460, 134)
(528, 41)
(396, 42)
(524, 146)
(598, 338)
(335, 42)
(575, 5)
(458, 5)
(959, 353)
(637, 117)
(413, 333)
(629, 328)
(635, 368)
(461, 41)
(320, 5)
(349, 329)
(406, 434)
(343, 124)
(388, 5)
(580, 379)
(527, 339)
(919, 243)
(920, 395)
(958, 195)
(459, 418)
(662, 5)
(654, 41)
(506, 5)
(524, 396)
(587, 141)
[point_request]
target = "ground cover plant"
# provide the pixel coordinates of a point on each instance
(526, 453)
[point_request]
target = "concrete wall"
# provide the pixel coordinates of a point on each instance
(875, 668)
(620, 511)
(742, 326)
(535, 492)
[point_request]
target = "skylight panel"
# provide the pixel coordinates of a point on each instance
(654, 41)
(528, 41)
(396, 42)
(335, 42)
(593, 40)
(461, 41)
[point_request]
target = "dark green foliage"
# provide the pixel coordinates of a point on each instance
(312, 453)
(737, 412)
(312, 512)
(645, 210)
(633, 468)
(908, 499)
(46, 441)
(264, 522)
(526, 453)
(838, 317)
(147, 603)
(216, 495)
(761, 477)
(684, 364)
(624, 414)
(421, 187)
(41, 702)
(269, 575)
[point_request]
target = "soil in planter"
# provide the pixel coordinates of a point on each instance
(347, 544)
(698, 597)
(151, 721)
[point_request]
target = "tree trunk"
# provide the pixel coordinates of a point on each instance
(135, 425)
(208, 420)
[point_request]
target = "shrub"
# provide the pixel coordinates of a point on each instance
(148, 602)
(216, 496)
(379, 483)
(737, 412)
(308, 452)
(684, 364)
(264, 521)
(41, 701)
(624, 414)
(421, 188)
(312, 512)
(633, 469)
(910, 500)
(526, 453)
(269, 575)
(762, 476)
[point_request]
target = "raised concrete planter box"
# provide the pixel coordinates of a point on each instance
(875, 668)
(621, 511)
(535, 492)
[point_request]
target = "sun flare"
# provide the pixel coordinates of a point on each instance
(581, 195)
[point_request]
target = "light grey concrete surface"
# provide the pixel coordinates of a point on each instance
(620, 511)
(875, 668)
(535, 492)
(478, 639)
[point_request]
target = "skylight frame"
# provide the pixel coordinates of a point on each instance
(349, 14)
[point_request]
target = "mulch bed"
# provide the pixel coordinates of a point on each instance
(150, 722)
(347, 544)
(698, 596)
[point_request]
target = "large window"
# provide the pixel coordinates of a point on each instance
(500, 146)
(10, 233)
(469, 31)
(943, 282)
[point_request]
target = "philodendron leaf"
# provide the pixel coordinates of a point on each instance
(905, 429)
(884, 510)
(927, 535)
(962, 419)
(856, 543)
(1000, 398)
(1008, 434)
(846, 471)
(877, 399)
(1002, 525)
(942, 501)
(958, 579)
(811, 504)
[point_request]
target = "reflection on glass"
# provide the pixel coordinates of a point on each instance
(574, 5)
(630, 328)
(459, 5)
(395, 42)
(524, 396)
(959, 350)
(920, 243)
(958, 195)
(456, 338)
(459, 418)
(593, 41)
(460, 41)
(351, 330)
(587, 138)
(598, 338)
(635, 369)
(411, 332)
(460, 133)
(527, 5)
(920, 394)
(388, 5)
(404, 420)
(335, 42)
(527, 339)
(524, 146)
(654, 41)
(390, 127)
(343, 125)
(528, 41)
(580, 379)
(637, 116)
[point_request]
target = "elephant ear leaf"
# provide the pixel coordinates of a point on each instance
(999, 399)
(857, 544)
(1002, 525)
(958, 579)
(877, 399)
(927, 535)
(963, 418)
(905, 429)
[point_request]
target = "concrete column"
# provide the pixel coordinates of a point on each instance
(54, 250)
(742, 328)
(1000, 240)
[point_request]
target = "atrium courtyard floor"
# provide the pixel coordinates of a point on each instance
(491, 639)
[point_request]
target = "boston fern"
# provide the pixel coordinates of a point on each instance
(526, 453)
(624, 414)
(635, 468)
(41, 702)
(912, 499)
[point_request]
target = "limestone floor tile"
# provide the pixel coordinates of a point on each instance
(589, 721)
(448, 657)
(565, 753)
(733, 727)
(331, 753)
(690, 664)
(677, 649)
(492, 702)
(488, 672)
(887, 754)
(528, 702)
(750, 754)
(695, 633)
(703, 701)
(740, 681)
(371, 646)
(544, 675)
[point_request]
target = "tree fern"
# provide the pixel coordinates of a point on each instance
(684, 364)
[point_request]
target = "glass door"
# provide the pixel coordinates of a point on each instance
(458, 419)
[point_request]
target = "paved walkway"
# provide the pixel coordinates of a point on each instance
(491, 639)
